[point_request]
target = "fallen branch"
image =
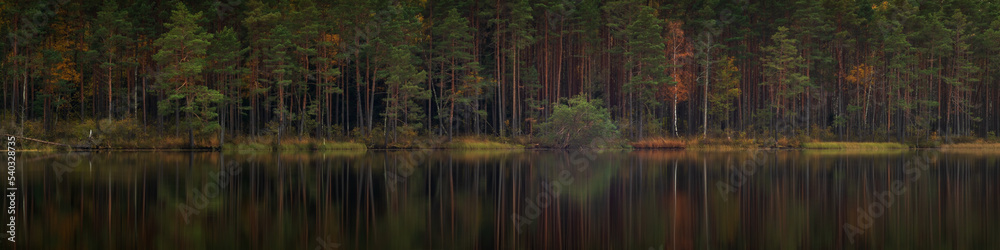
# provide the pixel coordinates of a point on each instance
(40, 141)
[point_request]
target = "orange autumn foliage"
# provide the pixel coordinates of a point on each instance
(65, 70)
(861, 75)
(680, 52)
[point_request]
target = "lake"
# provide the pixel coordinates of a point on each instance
(765, 199)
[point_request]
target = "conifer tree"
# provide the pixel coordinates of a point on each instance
(182, 55)
(648, 64)
(458, 83)
(111, 38)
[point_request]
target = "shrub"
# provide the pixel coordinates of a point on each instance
(578, 123)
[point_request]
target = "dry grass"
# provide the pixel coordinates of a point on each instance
(853, 145)
(726, 144)
(975, 145)
(291, 143)
(660, 143)
(479, 143)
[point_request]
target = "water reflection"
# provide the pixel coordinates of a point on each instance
(510, 200)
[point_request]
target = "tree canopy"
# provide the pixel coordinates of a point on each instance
(863, 70)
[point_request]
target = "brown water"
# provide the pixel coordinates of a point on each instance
(511, 200)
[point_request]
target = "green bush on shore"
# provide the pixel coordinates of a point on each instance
(578, 123)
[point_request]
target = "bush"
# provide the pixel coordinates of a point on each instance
(578, 123)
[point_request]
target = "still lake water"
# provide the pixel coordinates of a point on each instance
(909, 199)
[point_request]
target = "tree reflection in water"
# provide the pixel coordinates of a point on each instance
(468, 199)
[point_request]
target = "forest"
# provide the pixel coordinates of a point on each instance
(837, 70)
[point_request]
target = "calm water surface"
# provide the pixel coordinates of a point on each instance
(512, 200)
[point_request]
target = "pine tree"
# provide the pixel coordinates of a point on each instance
(182, 56)
(520, 33)
(814, 31)
(304, 21)
(899, 61)
(327, 62)
(404, 84)
(962, 74)
(259, 21)
(279, 63)
(704, 46)
(111, 38)
(647, 62)
(226, 53)
(459, 85)
(725, 90)
(784, 67)
(62, 74)
(935, 41)
(401, 75)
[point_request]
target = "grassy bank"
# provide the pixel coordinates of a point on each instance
(853, 145)
(291, 143)
(132, 135)
(698, 143)
(695, 143)
(972, 145)
(474, 143)
(660, 143)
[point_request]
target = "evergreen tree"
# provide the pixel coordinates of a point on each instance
(111, 38)
(899, 58)
(459, 84)
(304, 21)
(648, 62)
(784, 64)
(182, 56)
(725, 90)
(281, 67)
(404, 84)
(520, 33)
(226, 53)
(704, 46)
(962, 75)
(403, 79)
(815, 31)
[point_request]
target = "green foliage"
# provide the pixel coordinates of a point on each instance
(405, 85)
(578, 123)
(182, 56)
(871, 70)
(725, 90)
(459, 75)
(784, 64)
(645, 45)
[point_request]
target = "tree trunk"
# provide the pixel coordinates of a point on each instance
(708, 68)
(187, 116)
(675, 114)
(109, 91)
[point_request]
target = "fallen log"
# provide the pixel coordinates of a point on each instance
(40, 141)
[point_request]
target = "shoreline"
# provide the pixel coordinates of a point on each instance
(467, 145)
